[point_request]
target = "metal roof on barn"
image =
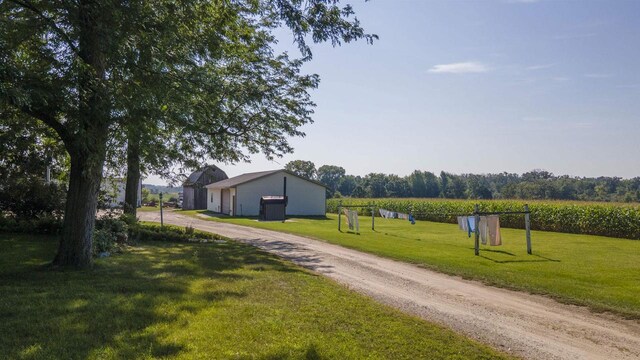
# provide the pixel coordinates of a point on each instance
(248, 177)
(204, 175)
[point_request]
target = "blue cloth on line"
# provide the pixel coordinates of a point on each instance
(472, 224)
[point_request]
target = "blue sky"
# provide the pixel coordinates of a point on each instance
(478, 87)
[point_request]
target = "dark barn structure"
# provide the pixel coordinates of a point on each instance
(194, 190)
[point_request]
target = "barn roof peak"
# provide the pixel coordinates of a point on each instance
(197, 177)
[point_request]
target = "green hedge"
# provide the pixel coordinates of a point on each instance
(604, 219)
(45, 224)
(147, 232)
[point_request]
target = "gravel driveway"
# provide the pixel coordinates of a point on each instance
(529, 326)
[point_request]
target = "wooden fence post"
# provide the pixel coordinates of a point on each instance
(339, 214)
(161, 217)
(527, 224)
(477, 220)
(373, 218)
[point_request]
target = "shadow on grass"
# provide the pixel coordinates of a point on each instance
(403, 237)
(110, 309)
(310, 353)
(291, 252)
(546, 258)
(529, 260)
(495, 251)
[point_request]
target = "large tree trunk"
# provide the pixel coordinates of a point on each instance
(80, 212)
(133, 173)
(87, 149)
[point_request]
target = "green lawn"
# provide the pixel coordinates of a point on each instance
(207, 301)
(602, 273)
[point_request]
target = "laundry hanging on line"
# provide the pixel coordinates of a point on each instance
(493, 225)
(396, 215)
(471, 224)
(488, 228)
(464, 224)
(483, 229)
(352, 219)
(388, 214)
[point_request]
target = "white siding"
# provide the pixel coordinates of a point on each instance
(226, 201)
(232, 193)
(305, 198)
(213, 200)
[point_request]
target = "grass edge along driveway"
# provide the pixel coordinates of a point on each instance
(599, 272)
(191, 300)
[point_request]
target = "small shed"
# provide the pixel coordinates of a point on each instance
(242, 195)
(194, 193)
(272, 208)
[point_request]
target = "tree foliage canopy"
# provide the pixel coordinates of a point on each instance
(302, 168)
(203, 73)
(29, 151)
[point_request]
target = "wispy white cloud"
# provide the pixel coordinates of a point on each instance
(598, 76)
(459, 68)
(540, 66)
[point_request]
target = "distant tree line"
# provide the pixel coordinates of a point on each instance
(535, 185)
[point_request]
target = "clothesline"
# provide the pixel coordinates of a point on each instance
(411, 216)
(472, 214)
(352, 220)
(503, 213)
(357, 206)
(446, 214)
(487, 228)
(397, 215)
(346, 207)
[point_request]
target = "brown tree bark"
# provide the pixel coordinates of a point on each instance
(80, 213)
(133, 173)
(87, 147)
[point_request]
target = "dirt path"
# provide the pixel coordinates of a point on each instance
(530, 326)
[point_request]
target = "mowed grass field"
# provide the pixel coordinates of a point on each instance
(198, 301)
(599, 272)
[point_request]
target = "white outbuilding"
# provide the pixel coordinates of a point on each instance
(241, 195)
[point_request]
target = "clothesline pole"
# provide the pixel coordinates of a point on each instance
(373, 217)
(475, 225)
(339, 213)
(527, 224)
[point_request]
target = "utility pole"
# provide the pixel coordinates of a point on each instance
(161, 218)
